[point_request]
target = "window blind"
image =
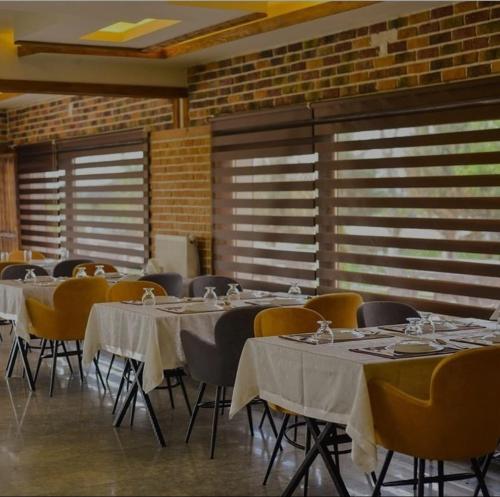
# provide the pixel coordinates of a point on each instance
(106, 197)
(409, 198)
(264, 179)
(39, 194)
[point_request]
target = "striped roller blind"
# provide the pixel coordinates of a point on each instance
(106, 199)
(39, 194)
(409, 198)
(264, 179)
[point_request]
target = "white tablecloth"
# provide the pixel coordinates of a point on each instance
(13, 295)
(327, 382)
(144, 333)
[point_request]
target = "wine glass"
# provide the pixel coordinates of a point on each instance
(148, 297)
(81, 273)
(324, 333)
(233, 293)
(210, 297)
(30, 276)
(99, 271)
(427, 323)
(413, 327)
(64, 253)
(294, 289)
(3, 256)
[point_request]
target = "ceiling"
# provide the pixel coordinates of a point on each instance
(66, 22)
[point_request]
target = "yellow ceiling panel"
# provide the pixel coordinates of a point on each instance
(122, 31)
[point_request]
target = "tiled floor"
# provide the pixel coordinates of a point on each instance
(67, 446)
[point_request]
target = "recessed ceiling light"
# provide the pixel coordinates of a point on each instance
(122, 31)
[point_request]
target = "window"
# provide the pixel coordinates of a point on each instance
(265, 202)
(91, 197)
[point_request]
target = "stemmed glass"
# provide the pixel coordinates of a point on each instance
(414, 326)
(3, 256)
(233, 293)
(81, 273)
(30, 276)
(294, 289)
(210, 296)
(99, 271)
(148, 298)
(324, 333)
(427, 323)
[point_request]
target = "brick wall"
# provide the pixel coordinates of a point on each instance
(79, 116)
(450, 43)
(181, 186)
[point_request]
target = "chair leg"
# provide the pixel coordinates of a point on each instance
(55, 346)
(486, 465)
(441, 478)
(79, 356)
(98, 373)
(122, 383)
(421, 476)
(336, 448)
(113, 357)
(223, 401)
(480, 478)
(383, 473)
(169, 388)
(308, 448)
(184, 391)
(281, 434)
(201, 391)
(250, 418)
(267, 412)
(63, 345)
(218, 394)
(415, 473)
(40, 357)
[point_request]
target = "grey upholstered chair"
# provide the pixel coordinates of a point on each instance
(217, 363)
(384, 313)
(18, 271)
(65, 268)
(198, 285)
(171, 282)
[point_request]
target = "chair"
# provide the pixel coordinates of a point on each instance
(339, 308)
(217, 363)
(384, 313)
(171, 282)
(133, 290)
(65, 268)
(4, 264)
(459, 420)
(18, 256)
(18, 271)
(197, 285)
(90, 268)
(285, 321)
(67, 319)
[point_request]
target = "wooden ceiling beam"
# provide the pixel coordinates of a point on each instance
(101, 89)
(232, 30)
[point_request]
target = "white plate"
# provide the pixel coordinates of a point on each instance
(169, 299)
(416, 347)
(202, 307)
(254, 294)
(113, 275)
(285, 301)
(346, 334)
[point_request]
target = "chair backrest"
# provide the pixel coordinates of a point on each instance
(465, 402)
(285, 320)
(73, 300)
(18, 255)
(171, 282)
(339, 308)
(65, 268)
(384, 313)
(132, 290)
(90, 268)
(221, 284)
(16, 271)
(4, 264)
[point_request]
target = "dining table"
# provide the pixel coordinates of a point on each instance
(149, 337)
(327, 383)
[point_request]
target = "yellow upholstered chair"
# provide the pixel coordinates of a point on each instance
(67, 319)
(133, 290)
(285, 321)
(18, 256)
(460, 418)
(90, 268)
(339, 308)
